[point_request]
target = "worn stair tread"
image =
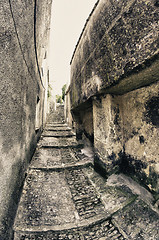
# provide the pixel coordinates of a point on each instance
(46, 201)
(59, 142)
(56, 124)
(59, 158)
(60, 198)
(48, 196)
(66, 133)
(104, 229)
(64, 198)
(57, 128)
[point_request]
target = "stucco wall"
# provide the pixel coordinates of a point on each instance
(22, 95)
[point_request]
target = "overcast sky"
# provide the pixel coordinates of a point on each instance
(68, 19)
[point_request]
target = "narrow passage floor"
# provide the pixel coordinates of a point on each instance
(64, 198)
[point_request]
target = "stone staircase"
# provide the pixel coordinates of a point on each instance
(64, 198)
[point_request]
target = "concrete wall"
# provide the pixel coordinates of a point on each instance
(24, 37)
(115, 69)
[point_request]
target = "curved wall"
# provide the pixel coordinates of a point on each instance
(24, 37)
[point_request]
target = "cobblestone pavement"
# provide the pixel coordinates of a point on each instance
(64, 198)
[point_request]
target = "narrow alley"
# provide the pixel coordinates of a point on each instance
(64, 198)
(87, 170)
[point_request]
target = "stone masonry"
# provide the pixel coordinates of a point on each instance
(64, 198)
(114, 90)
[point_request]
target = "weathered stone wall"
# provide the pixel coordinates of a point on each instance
(141, 134)
(119, 38)
(115, 67)
(23, 91)
(126, 134)
(108, 131)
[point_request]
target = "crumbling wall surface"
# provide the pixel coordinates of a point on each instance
(21, 88)
(126, 134)
(141, 135)
(115, 66)
(108, 132)
(120, 38)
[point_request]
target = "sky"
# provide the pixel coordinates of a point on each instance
(68, 20)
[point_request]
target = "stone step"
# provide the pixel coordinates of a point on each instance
(53, 202)
(64, 198)
(53, 158)
(51, 122)
(57, 121)
(56, 118)
(80, 203)
(57, 126)
(56, 134)
(43, 207)
(102, 230)
(64, 142)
